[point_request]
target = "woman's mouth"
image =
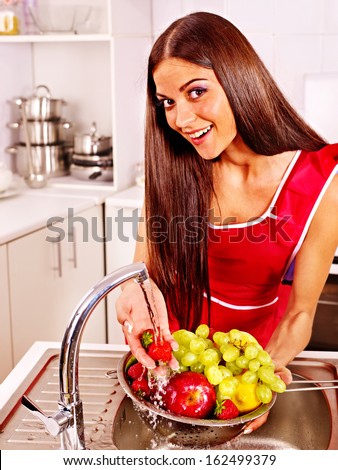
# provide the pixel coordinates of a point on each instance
(199, 136)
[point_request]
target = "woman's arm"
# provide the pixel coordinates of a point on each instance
(131, 308)
(312, 266)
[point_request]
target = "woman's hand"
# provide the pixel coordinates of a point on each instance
(286, 376)
(132, 314)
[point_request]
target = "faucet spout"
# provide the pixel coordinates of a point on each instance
(68, 422)
(70, 347)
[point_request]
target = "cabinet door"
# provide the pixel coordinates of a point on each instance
(48, 279)
(121, 231)
(6, 363)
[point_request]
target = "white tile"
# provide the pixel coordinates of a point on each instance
(296, 55)
(132, 17)
(330, 16)
(164, 12)
(211, 6)
(321, 103)
(251, 16)
(330, 53)
(298, 16)
(264, 46)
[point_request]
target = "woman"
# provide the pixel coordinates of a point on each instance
(241, 196)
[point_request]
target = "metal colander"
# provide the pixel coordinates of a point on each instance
(183, 431)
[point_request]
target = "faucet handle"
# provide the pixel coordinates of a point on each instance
(54, 424)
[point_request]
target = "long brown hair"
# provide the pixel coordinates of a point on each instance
(178, 181)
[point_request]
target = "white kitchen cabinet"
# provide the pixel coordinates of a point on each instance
(100, 73)
(48, 279)
(6, 363)
(121, 218)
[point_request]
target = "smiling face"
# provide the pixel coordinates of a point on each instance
(195, 106)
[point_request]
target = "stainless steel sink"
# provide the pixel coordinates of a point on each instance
(298, 420)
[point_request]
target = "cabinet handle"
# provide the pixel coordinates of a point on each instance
(59, 257)
(72, 237)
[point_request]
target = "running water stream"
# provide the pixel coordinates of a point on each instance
(151, 305)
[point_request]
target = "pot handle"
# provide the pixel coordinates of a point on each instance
(95, 175)
(66, 124)
(93, 130)
(11, 150)
(47, 93)
(13, 125)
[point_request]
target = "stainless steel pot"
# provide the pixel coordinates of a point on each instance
(51, 160)
(40, 106)
(42, 132)
(92, 143)
(91, 173)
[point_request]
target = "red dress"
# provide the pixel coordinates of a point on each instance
(249, 261)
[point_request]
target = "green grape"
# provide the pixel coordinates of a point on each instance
(266, 374)
(264, 358)
(264, 393)
(220, 337)
(198, 367)
(249, 377)
(213, 374)
(179, 353)
(197, 345)
(231, 353)
(225, 371)
(220, 397)
(233, 367)
(183, 368)
(208, 343)
(218, 352)
(177, 335)
(242, 362)
(189, 359)
(278, 385)
(236, 336)
(254, 365)
(202, 331)
(251, 351)
(228, 386)
(209, 356)
(186, 337)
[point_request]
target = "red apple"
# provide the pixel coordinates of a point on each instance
(189, 394)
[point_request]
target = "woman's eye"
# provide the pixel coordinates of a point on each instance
(197, 92)
(167, 103)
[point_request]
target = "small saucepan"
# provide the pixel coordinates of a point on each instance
(92, 143)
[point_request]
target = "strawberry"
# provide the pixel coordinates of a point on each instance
(160, 351)
(140, 387)
(226, 409)
(147, 338)
(136, 370)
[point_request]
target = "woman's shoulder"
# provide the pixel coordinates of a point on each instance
(329, 151)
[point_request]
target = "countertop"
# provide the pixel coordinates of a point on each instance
(24, 210)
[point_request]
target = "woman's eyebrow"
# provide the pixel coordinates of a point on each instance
(183, 87)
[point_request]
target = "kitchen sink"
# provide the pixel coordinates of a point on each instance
(298, 420)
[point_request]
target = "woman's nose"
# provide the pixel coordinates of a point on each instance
(184, 115)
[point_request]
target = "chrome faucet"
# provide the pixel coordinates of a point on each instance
(68, 421)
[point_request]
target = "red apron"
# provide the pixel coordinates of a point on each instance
(249, 261)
